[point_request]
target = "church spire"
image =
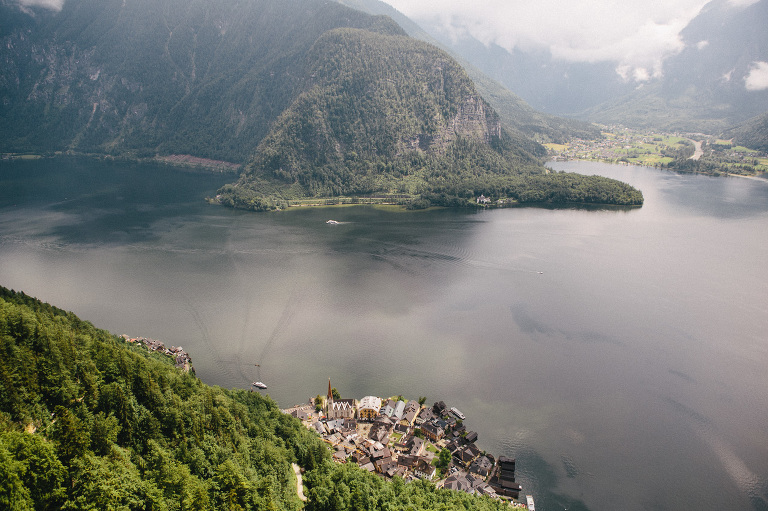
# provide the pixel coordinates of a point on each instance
(330, 393)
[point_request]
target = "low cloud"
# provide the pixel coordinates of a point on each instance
(54, 5)
(635, 34)
(757, 78)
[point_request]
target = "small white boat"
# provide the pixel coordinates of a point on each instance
(332, 222)
(259, 385)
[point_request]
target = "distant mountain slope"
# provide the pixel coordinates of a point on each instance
(515, 113)
(705, 87)
(377, 108)
(319, 100)
(752, 134)
(203, 77)
(387, 114)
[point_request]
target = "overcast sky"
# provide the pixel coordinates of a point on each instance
(635, 34)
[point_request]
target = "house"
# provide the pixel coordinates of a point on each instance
(471, 437)
(399, 410)
(424, 469)
(453, 446)
(463, 457)
(483, 200)
(426, 414)
(416, 445)
(482, 466)
(389, 408)
(432, 431)
(439, 408)
(407, 461)
(487, 490)
(409, 413)
(380, 454)
(381, 429)
(368, 408)
(461, 481)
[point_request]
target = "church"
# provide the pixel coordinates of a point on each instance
(339, 408)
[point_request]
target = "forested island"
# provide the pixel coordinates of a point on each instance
(88, 421)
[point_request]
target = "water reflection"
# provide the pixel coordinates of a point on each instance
(619, 355)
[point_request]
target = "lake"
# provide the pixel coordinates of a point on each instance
(620, 355)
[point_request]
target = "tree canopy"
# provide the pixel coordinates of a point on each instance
(88, 421)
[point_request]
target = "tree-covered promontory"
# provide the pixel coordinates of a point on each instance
(88, 421)
(387, 114)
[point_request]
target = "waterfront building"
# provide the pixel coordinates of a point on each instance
(368, 408)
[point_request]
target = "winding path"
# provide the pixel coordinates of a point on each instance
(299, 483)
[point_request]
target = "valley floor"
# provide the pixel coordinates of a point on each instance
(695, 152)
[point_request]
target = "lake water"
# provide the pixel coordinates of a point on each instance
(620, 355)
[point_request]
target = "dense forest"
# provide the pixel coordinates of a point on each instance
(752, 134)
(145, 77)
(88, 421)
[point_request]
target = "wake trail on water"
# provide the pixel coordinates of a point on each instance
(200, 323)
(394, 255)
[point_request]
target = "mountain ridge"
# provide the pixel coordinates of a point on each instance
(238, 81)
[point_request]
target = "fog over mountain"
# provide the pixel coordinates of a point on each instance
(687, 65)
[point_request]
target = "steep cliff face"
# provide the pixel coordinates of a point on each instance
(373, 100)
(475, 120)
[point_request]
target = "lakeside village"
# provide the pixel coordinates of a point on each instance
(392, 437)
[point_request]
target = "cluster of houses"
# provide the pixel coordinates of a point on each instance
(395, 437)
(180, 357)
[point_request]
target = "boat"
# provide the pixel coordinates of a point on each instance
(457, 413)
(259, 385)
(529, 502)
(332, 222)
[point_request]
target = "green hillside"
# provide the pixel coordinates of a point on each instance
(387, 114)
(517, 116)
(752, 134)
(318, 99)
(90, 422)
(146, 77)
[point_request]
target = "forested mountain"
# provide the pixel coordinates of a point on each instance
(515, 113)
(317, 98)
(200, 77)
(752, 134)
(389, 114)
(707, 86)
(89, 422)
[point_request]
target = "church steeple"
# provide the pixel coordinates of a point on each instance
(330, 393)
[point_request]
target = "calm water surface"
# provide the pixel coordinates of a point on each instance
(621, 356)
